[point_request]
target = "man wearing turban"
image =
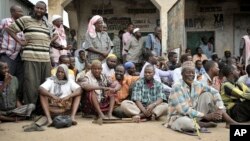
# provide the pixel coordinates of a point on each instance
(97, 41)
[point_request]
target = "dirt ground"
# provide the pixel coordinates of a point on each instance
(87, 131)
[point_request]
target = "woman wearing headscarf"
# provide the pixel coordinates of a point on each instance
(60, 95)
(97, 42)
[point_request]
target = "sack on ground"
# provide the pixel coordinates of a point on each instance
(62, 121)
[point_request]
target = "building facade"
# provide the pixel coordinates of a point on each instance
(183, 22)
(6, 4)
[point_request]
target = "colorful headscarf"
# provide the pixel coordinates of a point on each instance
(91, 27)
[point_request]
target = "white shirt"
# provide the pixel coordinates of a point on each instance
(66, 89)
(205, 78)
(243, 79)
(177, 75)
(106, 70)
(158, 75)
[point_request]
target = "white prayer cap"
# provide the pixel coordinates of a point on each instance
(136, 29)
(55, 17)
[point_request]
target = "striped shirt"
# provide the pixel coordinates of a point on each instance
(8, 45)
(183, 99)
(37, 35)
(230, 93)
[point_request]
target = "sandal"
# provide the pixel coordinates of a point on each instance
(32, 127)
(204, 130)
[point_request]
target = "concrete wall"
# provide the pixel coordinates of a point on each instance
(84, 12)
(224, 32)
(5, 8)
(164, 6)
(176, 26)
(55, 7)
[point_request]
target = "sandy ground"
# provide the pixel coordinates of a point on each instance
(86, 131)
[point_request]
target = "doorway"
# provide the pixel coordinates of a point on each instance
(194, 39)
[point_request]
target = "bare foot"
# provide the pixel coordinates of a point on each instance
(136, 118)
(153, 117)
(74, 122)
(112, 117)
(50, 122)
(103, 117)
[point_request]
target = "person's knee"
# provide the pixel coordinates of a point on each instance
(129, 108)
(206, 97)
(161, 109)
(32, 106)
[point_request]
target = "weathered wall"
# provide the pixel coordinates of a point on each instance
(176, 25)
(55, 7)
(227, 33)
(147, 22)
(164, 6)
(5, 8)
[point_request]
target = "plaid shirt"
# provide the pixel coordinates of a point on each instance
(8, 45)
(182, 101)
(101, 42)
(145, 94)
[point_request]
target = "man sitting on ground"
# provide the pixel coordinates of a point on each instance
(11, 108)
(130, 69)
(188, 102)
(236, 96)
(147, 98)
(245, 78)
(100, 92)
(126, 82)
(108, 68)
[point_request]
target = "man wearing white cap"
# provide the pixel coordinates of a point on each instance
(59, 46)
(134, 48)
